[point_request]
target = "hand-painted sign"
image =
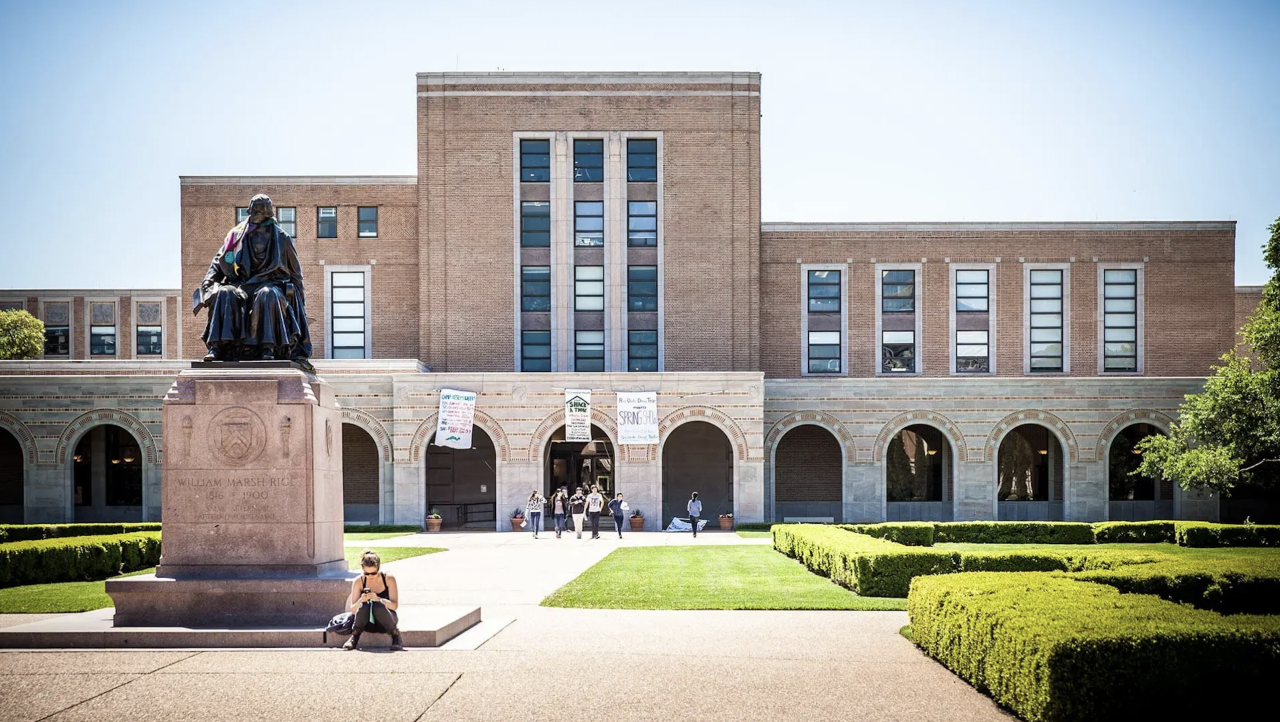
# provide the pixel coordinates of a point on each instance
(637, 417)
(577, 414)
(457, 414)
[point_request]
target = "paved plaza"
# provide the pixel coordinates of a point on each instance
(528, 663)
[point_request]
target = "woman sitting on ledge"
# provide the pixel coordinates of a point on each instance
(373, 600)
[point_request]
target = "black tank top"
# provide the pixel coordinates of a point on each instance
(386, 591)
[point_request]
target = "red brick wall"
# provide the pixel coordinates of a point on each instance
(359, 466)
(1247, 299)
(807, 466)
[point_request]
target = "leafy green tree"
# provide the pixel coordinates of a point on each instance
(21, 336)
(1229, 434)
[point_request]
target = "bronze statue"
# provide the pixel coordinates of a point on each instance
(253, 290)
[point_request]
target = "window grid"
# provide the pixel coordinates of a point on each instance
(57, 340)
(588, 161)
(1120, 320)
(367, 219)
(588, 288)
(102, 340)
(150, 341)
(642, 161)
(824, 352)
(824, 292)
(642, 224)
(973, 352)
(535, 350)
(897, 291)
(1046, 342)
(588, 224)
(588, 351)
(535, 288)
(642, 350)
(898, 352)
(973, 348)
(327, 222)
(535, 161)
(642, 288)
(347, 314)
(535, 224)
(287, 219)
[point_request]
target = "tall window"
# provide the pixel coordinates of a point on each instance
(588, 351)
(642, 223)
(973, 352)
(1046, 320)
(588, 224)
(535, 350)
(287, 218)
(1120, 319)
(973, 296)
(824, 292)
(150, 341)
(102, 340)
(642, 350)
(898, 291)
(535, 288)
(642, 288)
(588, 288)
(535, 161)
(898, 351)
(57, 340)
(347, 314)
(642, 160)
(824, 352)
(535, 224)
(242, 214)
(327, 222)
(368, 221)
(588, 161)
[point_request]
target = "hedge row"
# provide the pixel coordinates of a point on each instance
(1204, 534)
(381, 528)
(910, 533)
(1134, 532)
(880, 568)
(31, 532)
(1053, 649)
(926, 533)
(77, 558)
(1228, 586)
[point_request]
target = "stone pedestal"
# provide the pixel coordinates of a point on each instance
(252, 503)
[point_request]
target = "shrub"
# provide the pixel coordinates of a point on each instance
(910, 533)
(1052, 648)
(1228, 586)
(1134, 532)
(381, 528)
(1013, 532)
(1205, 534)
(30, 532)
(77, 558)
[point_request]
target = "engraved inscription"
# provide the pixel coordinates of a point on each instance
(232, 498)
(237, 436)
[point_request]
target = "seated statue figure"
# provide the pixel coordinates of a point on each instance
(253, 290)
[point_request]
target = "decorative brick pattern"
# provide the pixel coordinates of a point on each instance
(1128, 418)
(928, 418)
(1043, 418)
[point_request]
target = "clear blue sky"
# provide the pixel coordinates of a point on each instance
(873, 111)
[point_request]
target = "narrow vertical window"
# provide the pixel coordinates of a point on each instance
(973, 298)
(898, 291)
(973, 352)
(588, 351)
(642, 288)
(368, 220)
(588, 161)
(642, 350)
(898, 351)
(102, 340)
(347, 314)
(588, 224)
(327, 222)
(242, 214)
(1046, 320)
(1120, 320)
(535, 224)
(642, 224)
(535, 161)
(57, 340)
(824, 292)
(535, 288)
(588, 288)
(287, 219)
(824, 352)
(150, 341)
(535, 350)
(642, 161)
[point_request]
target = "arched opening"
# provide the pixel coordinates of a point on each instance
(360, 470)
(107, 476)
(573, 464)
(808, 475)
(462, 484)
(1030, 473)
(12, 469)
(697, 456)
(1135, 497)
(918, 475)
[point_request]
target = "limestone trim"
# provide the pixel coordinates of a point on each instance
(716, 417)
(25, 438)
(1125, 419)
(374, 427)
(811, 418)
(538, 441)
(1033, 416)
(102, 417)
(959, 449)
(792, 227)
(486, 422)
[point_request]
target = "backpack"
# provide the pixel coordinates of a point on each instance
(342, 624)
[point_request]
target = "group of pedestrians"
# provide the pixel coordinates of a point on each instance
(579, 507)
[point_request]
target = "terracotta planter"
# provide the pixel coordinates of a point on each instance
(726, 523)
(637, 523)
(434, 524)
(515, 524)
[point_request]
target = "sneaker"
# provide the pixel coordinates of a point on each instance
(351, 643)
(397, 645)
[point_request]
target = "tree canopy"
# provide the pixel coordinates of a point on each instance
(21, 336)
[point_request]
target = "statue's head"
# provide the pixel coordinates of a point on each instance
(260, 208)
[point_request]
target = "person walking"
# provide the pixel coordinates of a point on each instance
(578, 510)
(595, 503)
(619, 509)
(533, 511)
(559, 507)
(695, 510)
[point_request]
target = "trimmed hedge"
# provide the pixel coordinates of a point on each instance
(77, 558)
(1205, 534)
(756, 525)
(381, 528)
(1134, 532)
(1013, 532)
(1054, 649)
(31, 532)
(1227, 586)
(910, 533)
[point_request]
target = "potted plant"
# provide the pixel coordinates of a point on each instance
(637, 520)
(434, 520)
(726, 522)
(517, 519)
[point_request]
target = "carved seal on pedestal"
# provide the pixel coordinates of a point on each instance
(237, 436)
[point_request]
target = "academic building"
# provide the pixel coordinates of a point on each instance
(602, 231)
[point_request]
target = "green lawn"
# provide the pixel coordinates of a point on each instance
(756, 534)
(712, 577)
(84, 596)
(364, 536)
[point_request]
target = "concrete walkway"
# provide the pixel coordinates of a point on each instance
(549, 664)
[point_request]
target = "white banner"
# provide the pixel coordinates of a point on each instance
(638, 417)
(577, 414)
(457, 414)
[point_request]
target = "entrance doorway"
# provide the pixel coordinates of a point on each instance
(697, 456)
(462, 484)
(12, 471)
(573, 464)
(107, 476)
